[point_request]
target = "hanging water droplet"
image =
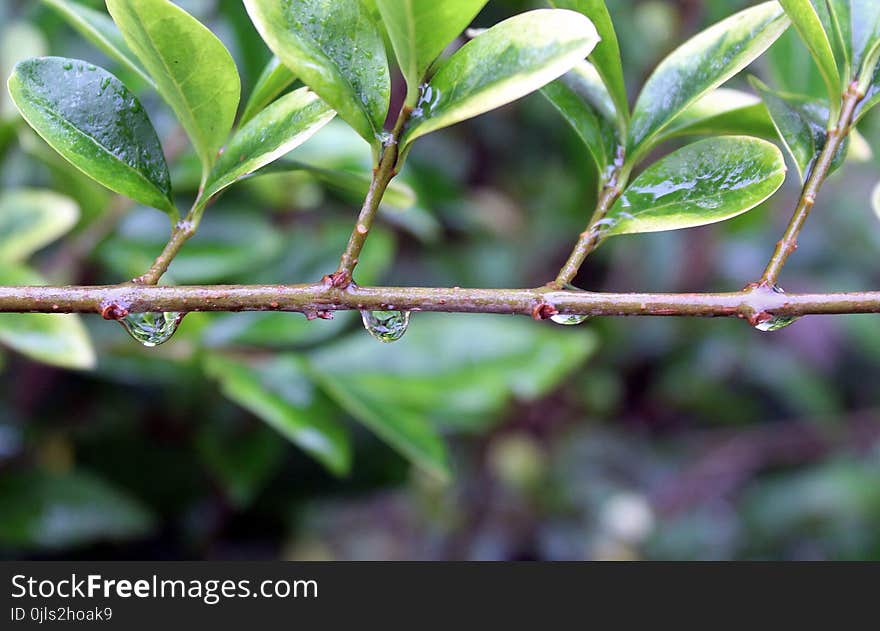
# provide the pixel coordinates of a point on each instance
(569, 320)
(774, 322)
(386, 326)
(152, 329)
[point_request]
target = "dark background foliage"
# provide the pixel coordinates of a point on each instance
(621, 438)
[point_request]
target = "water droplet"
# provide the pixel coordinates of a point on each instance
(152, 329)
(775, 323)
(386, 138)
(386, 326)
(569, 320)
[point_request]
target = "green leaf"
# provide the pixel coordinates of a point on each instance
(97, 124)
(706, 182)
(280, 392)
(273, 133)
(99, 29)
(506, 62)
(193, 71)
(606, 55)
(700, 65)
(806, 20)
(59, 340)
(865, 30)
(43, 510)
(420, 31)
(336, 49)
(801, 125)
(724, 112)
(837, 18)
(275, 79)
(582, 118)
(18, 41)
(31, 220)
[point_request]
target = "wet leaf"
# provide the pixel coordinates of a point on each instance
(818, 40)
(505, 63)
(723, 111)
(272, 82)
(606, 55)
(97, 124)
(336, 49)
(192, 69)
(273, 133)
(705, 182)
(43, 510)
(700, 65)
(420, 31)
(31, 220)
(56, 339)
(99, 29)
(280, 392)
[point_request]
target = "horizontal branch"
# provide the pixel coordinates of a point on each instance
(755, 303)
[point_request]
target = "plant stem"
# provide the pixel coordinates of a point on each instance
(389, 166)
(116, 301)
(182, 232)
(819, 173)
(589, 238)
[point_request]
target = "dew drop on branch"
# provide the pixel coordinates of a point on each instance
(774, 322)
(386, 326)
(152, 329)
(569, 320)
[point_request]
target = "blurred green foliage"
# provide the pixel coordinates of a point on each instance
(621, 438)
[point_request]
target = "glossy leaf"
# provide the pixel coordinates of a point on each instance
(280, 393)
(97, 124)
(56, 339)
(700, 65)
(59, 511)
(706, 182)
(192, 69)
(606, 55)
(98, 28)
(31, 220)
(275, 79)
(723, 111)
(273, 133)
(337, 50)
(421, 29)
(806, 20)
(505, 63)
(582, 119)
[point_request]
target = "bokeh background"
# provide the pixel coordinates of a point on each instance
(617, 439)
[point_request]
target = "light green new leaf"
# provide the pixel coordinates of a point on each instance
(59, 340)
(706, 182)
(97, 124)
(98, 28)
(606, 55)
(279, 391)
(420, 30)
(581, 117)
(273, 133)
(31, 220)
(723, 112)
(506, 62)
(18, 41)
(813, 32)
(335, 48)
(193, 71)
(275, 79)
(700, 65)
(800, 123)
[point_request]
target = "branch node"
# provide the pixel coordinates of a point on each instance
(114, 311)
(544, 311)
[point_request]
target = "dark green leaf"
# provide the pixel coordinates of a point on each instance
(193, 71)
(31, 220)
(273, 133)
(275, 79)
(508, 61)
(700, 65)
(581, 117)
(335, 48)
(279, 391)
(96, 123)
(709, 181)
(421, 30)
